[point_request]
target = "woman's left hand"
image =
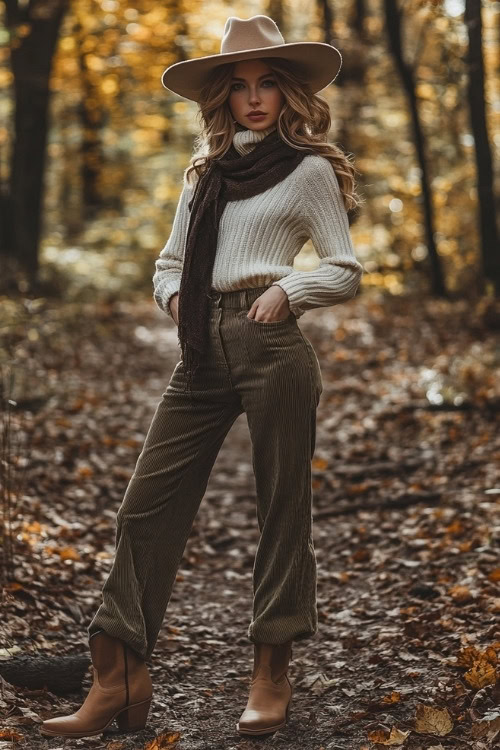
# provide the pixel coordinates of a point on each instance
(271, 306)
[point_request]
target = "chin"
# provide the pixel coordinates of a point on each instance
(261, 125)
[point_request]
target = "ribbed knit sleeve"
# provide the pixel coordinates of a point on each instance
(167, 277)
(338, 275)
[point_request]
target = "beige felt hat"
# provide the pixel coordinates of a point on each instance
(248, 38)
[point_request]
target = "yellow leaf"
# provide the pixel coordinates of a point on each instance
(13, 586)
(10, 734)
(394, 697)
(431, 720)
(481, 673)
(467, 656)
(460, 594)
(455, 528)
(69, 553)
(319, 463)
(396, 737)
(165, 740)
(481, 665)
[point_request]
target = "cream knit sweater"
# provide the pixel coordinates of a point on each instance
(259, 237)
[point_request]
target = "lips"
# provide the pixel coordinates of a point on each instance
(254, 114)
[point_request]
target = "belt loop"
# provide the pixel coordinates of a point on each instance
(216, 296)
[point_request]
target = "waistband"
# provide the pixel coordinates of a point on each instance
(239, 298)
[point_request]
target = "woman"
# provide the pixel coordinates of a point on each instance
(258, 189)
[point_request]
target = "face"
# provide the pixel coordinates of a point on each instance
(254, 87)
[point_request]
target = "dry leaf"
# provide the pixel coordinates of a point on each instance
(467, 656)
(10, 734)
(396, 737)
(482, 665)
(165, 740)
(321, 683)
(489, 724)
(431, 720)
(460, 594)
(394, 697)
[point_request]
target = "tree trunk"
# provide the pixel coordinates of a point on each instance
(31, 60)
(393, 25)
(92, 119)
(490, 249)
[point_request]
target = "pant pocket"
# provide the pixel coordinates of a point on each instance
(288, 319)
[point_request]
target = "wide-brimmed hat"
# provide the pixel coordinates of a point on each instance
(249, 38)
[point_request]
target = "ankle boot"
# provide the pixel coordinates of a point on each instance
(121, 690)
(270, 690)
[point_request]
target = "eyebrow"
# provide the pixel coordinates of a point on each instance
(263, 76)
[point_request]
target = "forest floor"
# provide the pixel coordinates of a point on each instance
(406, 527)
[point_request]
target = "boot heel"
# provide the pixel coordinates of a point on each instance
(134, 718)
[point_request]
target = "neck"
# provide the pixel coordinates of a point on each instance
(245, 140)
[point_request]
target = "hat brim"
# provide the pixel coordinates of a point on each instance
(319, 61)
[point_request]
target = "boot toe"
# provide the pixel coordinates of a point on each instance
(259, 722)
(59, 726)
(70, 726)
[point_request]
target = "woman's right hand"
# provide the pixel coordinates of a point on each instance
(174, 307)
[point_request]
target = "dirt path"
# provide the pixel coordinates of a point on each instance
(406, 528)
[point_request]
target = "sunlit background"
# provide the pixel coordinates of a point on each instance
(118, 142)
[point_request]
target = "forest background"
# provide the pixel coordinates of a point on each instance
(405, 474)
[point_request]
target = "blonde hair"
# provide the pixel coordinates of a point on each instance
(304, 122)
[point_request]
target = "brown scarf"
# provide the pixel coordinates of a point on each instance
(232, 177)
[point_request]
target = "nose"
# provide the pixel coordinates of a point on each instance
(253, 99)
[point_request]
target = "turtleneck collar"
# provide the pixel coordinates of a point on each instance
(245, 140)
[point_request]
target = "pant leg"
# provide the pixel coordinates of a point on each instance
(160, 504)
(280, 401)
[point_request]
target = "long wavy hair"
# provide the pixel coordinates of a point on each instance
(303, 122)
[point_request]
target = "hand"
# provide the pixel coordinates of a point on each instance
(174, 307)
(271, 306)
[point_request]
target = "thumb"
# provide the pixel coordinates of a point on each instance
(252, 310)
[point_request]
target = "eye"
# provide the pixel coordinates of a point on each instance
(267, 80)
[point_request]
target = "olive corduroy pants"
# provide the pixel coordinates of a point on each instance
(270, 371)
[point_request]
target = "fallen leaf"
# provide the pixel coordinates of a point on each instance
(489, 725)
(394, 697)
(10, 734)
(430, 720)
(461, 594)
(396, 736)
(165, 740)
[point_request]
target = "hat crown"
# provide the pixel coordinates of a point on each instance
(250, 33)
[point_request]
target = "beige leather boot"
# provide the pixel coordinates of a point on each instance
(121, 690)
(270, 690)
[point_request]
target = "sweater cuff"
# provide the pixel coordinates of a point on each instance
(292, 304)
(164, 293)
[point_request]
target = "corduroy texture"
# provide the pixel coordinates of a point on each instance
(259, 238)
(269, 371)
(231, 177)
